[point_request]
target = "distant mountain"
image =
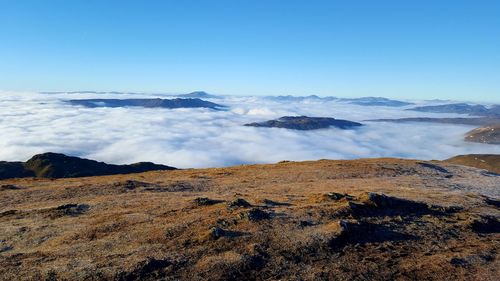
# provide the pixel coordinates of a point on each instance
(479, 121)
(460, 108)
(366, 101)
(494, 111)
(199, 94)
(437, 101)
(291, 98)
(88, 92)
(486, 134)
(55, 165)
(156, 102)
(306, 123)
(375, 101)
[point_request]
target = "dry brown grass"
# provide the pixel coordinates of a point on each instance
(490, 162)
(151, 226)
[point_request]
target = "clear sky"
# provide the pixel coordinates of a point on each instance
(394, 48)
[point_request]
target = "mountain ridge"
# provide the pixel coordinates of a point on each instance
(148, 103)
(461, 108)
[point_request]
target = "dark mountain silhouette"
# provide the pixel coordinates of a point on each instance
(14, 170)
(56, 165)
(156, 102)
(306, 123)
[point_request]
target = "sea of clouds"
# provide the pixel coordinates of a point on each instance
(34, 123)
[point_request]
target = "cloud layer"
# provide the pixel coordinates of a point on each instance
(33, 123)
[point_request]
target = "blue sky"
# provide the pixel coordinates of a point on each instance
(402, 49)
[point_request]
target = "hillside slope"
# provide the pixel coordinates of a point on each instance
(490, 162)
(372, 219)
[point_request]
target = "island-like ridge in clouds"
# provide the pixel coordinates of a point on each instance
(306, 123)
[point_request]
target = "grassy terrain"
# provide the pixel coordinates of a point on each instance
(490, 162)
(372, 219)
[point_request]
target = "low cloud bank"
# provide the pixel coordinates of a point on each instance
(34, 123)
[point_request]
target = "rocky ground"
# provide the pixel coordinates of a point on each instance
(372, 219)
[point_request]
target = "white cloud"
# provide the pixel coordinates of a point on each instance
(33, 123)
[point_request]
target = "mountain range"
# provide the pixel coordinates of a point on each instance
(461, 108)
(452, 120)
(364, 101)
(150, 103)
(376, 101)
